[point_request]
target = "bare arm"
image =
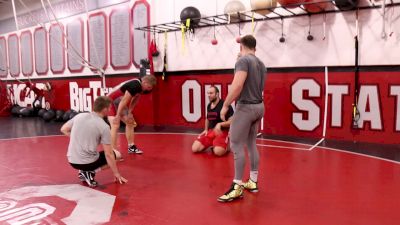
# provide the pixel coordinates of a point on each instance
(219, 126)
(124, 103)
(205, 128)
(133, 103)
(234, 92)
(236, 87)
(226, 123)
(66, 129)
(112, 163)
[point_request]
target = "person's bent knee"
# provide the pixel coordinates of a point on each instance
(219, 151)
(113, 125)
(197, 147)
(130, 124)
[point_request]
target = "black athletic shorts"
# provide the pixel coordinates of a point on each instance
(101, 161)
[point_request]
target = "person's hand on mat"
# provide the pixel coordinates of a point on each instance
(118, 178)
(223, 112)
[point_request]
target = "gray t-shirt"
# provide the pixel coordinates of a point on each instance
(88, 131)
(254, 85)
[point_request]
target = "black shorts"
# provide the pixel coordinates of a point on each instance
(101, 161)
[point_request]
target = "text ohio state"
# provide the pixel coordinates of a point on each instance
(307, 115)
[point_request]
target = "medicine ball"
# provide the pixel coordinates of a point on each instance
(191, 13)
(15, 110)
(315, 7)
(73, 114)
(346, 4)
(41, 112)
(27, 111)
(66, 115)
(21, 110)
(59, 115)
(232, 8)
(260, 5)
(49, 115)
(289, 3)
(35, 111)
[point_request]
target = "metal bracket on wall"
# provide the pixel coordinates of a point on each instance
(278, 12)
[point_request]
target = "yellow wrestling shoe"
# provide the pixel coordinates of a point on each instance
(251, 186)
(235, 192)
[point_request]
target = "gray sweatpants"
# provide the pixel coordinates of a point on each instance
(243, 132)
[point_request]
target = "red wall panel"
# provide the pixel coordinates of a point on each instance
(165, 107)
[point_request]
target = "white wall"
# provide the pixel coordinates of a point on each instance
(336, 50)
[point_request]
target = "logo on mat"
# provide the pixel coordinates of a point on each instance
(77, 205)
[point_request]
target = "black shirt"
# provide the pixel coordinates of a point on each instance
(132, 86)
(213, 115)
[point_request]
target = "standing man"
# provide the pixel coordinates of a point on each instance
(125, 97)
(215, 132)
(247, 87)
(87, 131)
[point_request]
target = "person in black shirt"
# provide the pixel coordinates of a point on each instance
(216, 131)
(125, 96)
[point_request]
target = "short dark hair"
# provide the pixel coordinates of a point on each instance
(248, 41)
(101, 103)
(215, 88)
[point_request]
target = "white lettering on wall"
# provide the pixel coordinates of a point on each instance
(191, 85)
(81, 99)
(18, 89)
(337, 92)
(306, 105)
(395, 91)
(368, 106)
(74, 95)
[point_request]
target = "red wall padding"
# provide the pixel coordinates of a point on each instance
(164, 105)
(5, 105)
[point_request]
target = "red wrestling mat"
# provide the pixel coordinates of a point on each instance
(169, 184)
